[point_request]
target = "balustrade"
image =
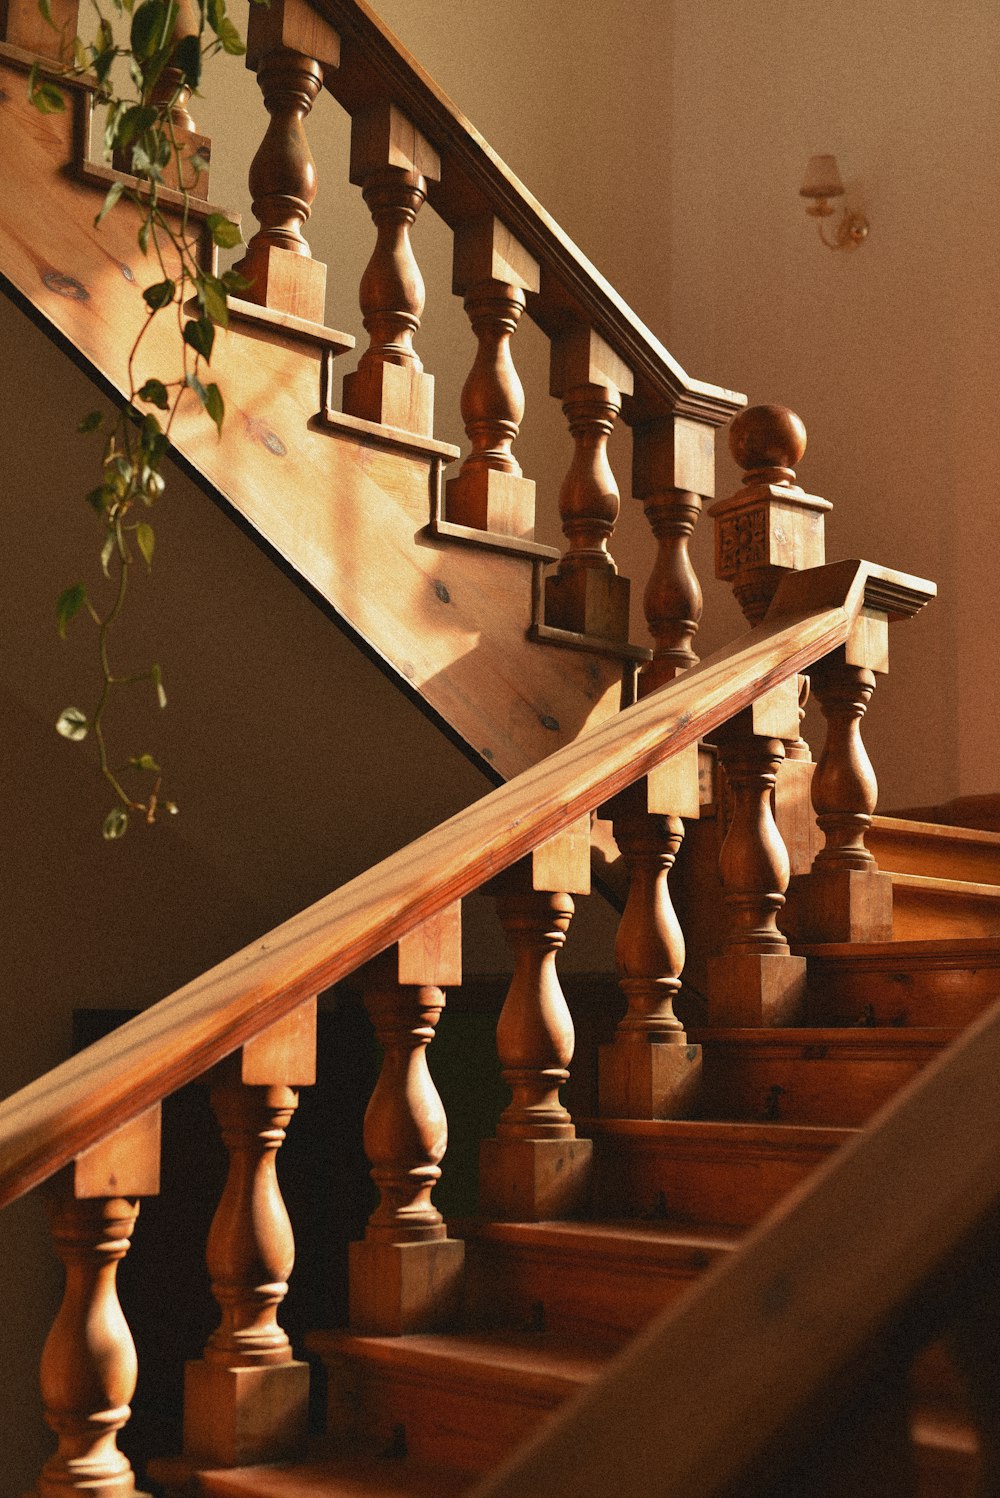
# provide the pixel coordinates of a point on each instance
(405, 1276)
(536, 1167)
(392, 163)
(290, 47)
(650, 1071)
(88, 1368)
(247, 1399)
(587, 595)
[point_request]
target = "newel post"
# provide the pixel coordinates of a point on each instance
(290, 46)
(246, 1400)
(536, 1167)
(406, 1274)
(23, 25)
(89, 1368)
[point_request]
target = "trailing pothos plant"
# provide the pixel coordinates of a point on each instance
(162, 69)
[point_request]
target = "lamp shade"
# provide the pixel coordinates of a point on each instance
(822, 179)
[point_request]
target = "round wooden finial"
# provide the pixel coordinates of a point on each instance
(767, 437)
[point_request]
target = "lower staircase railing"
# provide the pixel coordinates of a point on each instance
(94, 1121)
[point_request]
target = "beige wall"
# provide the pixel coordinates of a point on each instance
(669, 139)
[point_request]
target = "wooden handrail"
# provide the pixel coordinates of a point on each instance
(475, 181)
(710, 1389)
(49, 1122)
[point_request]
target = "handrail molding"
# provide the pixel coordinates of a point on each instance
(47, 1123)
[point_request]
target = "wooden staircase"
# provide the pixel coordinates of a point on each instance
(717, 1129)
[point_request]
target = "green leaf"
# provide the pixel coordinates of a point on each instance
(91, 421)
(226, 234)
(143, 236)
(193, 383)
(145, 542)
(100, 498)
(215, 10)
(212, 296)
(68, 605)
(72, 724)
(45, 6)
(145, 762)
(113, 194)
(200, 334)
(115, 824)
(215, 406)
(234, 282)
(155, 392)
(46, 98)
(134, 121)
(230, 38)
(160, 295)
(146, 33)
(156, 675)
(187, 57)
(153, 440)
(107, 552)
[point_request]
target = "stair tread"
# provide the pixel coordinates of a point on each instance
(540, 1362)
(937, 831)
(939, 885)
(938, 952)
(727, 1133)
(881, 1039)
(659, 1241)
(353, 1475)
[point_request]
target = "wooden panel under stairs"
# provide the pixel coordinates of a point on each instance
(728, 1174)
(810, 1076)
(902, 983)
(461, 1401)
(599, 1281)
(904, 847)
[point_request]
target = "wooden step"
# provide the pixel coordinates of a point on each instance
(905, 847)
(695, 1171)
(924, 908)
(351, 1475)
(464, 1401)
(902, 983)
(811, 1076)
(947, 1457)
(602, 1281)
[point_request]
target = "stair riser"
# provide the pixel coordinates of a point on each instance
(926, 915)
(937, 856)
(811, 1089)
(596, 1298)
(737, 1187)
(467, 1423)
(840, 994)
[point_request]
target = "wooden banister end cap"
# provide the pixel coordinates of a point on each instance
(767, 437)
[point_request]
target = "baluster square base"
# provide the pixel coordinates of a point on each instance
(588, 601)
(756, 989)
(490, 500)
(397, 1288)
(285, 282)
(237, 1416)
(395, 395)
(532, 1180)
(648, 1079)
(842, 905)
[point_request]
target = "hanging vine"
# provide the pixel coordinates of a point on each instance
(141, 131)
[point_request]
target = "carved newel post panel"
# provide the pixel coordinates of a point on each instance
(535, 1167)
(405, 1276)
(673, 468)
(88, 1369)
(650, 1070)
(247, 1399)
(492, 272)
(392, 163)
(587, 595)
(290, 46)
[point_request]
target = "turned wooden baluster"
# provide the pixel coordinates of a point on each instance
(673, 467)
(536, 1167)
(492, 272)
(755, 980)
(247, 1399)
(290, 47)
(650, 1071)
(587, 595)
(392, 163)
(88, 1368)
(406, 1274)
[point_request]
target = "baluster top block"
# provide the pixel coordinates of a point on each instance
(294, 25)
(673, 452)
(126, 1163)
(382, 136)
(581, 357)
(486, 250)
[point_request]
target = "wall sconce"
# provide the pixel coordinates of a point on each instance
(822, 182)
